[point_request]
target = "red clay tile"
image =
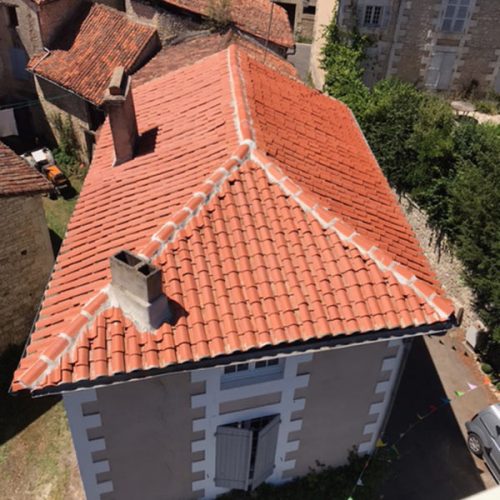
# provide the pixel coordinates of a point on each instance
(253, 268)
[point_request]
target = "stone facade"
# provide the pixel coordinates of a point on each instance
(25, 260)
(19, 39)
(156, 437)
(325, 10)
(430, 43)
(301, 16)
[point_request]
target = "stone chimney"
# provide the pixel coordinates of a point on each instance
(119, 104)
(136, 285)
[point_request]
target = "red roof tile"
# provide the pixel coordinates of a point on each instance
(84, 58)
(187, 52)
(251, 16)
(257, 249)
(17, 177)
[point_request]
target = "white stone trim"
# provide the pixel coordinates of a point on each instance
(214, 396)
(79, 425)
(389, 364)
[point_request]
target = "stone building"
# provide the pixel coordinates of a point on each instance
(218, 317)
(25, 251)
(442, 45)
(74, 69)
(301, 15)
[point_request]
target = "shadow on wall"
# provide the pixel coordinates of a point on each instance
(17, 412)
(434, 462)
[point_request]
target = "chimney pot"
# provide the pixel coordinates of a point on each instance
(137, 285)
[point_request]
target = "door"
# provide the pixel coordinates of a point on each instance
(440, 71)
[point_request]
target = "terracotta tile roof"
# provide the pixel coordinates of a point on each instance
(17, 177)
(256, 249)
(251, 16)
(187, 52)
(84, 58)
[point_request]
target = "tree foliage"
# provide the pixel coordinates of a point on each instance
(450, 168)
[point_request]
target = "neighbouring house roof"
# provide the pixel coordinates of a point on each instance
(82, 60)
(188, 51)
(267, 213)
(17, 177)
(251, 16)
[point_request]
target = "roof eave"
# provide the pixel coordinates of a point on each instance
(331, 342)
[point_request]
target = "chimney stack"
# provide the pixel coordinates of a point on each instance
(119, 104)
(136, 285)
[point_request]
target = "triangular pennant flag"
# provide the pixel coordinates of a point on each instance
(350, 498)
(471, 386)
(359, 483)
(396, 450)
(380, 443)
(486, 380)
(419, 416)
(459, 394)
(432, 408)
(446, 400)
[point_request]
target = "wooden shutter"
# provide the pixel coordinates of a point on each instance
(232, 459)
(266, 452)
(433, 71)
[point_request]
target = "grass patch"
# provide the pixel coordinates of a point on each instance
(328, 483)
(58, 212)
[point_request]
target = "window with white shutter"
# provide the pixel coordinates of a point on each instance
(246, 452)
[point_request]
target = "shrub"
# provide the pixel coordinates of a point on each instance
(487, 368)
(498, 386)
(67, 153)
(341, 59)
(488, 107)
(219, 14)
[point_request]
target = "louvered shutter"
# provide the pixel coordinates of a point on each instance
(232, 459)
(266, 452)
(386, 16)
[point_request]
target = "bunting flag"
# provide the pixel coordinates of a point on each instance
(380, 443)
(471, 386)
(432, 408)
(459, 394)
(359, 483)
(446, 401)
(419, 416)
(486, 380)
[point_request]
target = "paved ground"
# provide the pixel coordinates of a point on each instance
(301, 59)
(435, 463)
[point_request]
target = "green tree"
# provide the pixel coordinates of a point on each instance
(342, 57)
(475, 216)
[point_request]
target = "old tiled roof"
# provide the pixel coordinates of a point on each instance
(17, 177)
(84, 58)
(267, 213)
(251, 16)
(187, 52)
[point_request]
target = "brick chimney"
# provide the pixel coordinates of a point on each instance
(119, 104)
(136, 285)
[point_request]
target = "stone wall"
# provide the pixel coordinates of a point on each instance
(169, 22)
(25, 261)
(25, 37)
(410, 37)
(57, 101)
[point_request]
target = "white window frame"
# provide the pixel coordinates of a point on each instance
(373, 11)
(455, 11)
(253, 372)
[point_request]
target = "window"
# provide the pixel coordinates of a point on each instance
(251, 373)
(454, 16)
(246, 452)
(373, 15)
(12, 16)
